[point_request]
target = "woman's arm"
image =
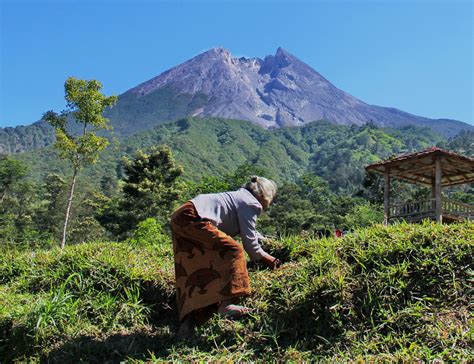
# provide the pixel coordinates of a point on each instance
(248, 232)
(250, 237)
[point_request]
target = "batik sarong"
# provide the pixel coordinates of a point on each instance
(210, 266)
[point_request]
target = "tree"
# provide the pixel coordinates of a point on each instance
(150, 190)
(108, 186)
(85, 104)
(18, 202)
(11, 172)
(208, 184)
(364, 215)
(242, 175)
(54, 196)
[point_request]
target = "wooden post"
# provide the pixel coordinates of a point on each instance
(438, 210)
(433, 183)
(432, 206)
(386, 195)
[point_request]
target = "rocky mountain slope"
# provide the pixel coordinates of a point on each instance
(277, 91)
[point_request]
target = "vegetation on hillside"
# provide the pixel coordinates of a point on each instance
(136, 113)
(385, 293)
(398, 293)
(215, 147)
(319, 169)
(23, 138)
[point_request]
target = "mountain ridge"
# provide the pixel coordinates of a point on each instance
(277, 91)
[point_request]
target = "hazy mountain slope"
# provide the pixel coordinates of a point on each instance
(23, 138)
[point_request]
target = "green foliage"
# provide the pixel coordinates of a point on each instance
(85, 104)
(51, 212)
(87, 288)
(19, 204)
(364, 215)
(11, 172)
(219, 155)
(391, 294)
(84, 226)
(216, 147)
(462, 143)
(309, 205)
(24, 138)
(150, 233)
(242, 175)
(150, 189)
(208, 184)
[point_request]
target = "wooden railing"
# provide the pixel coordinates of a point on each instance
(425, 209)
(455, 208)
(422, 208)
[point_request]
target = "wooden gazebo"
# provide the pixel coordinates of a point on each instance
(433, 167)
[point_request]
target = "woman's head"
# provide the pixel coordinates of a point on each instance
(263, 189)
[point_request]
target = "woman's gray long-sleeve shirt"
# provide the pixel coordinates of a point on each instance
(233, 213)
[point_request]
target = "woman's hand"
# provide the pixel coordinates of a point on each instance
(270, 261)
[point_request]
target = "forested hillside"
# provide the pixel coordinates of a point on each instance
(319, 168)
(24, 138)
(277, 91)
(215, 147)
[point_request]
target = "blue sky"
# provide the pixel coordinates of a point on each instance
(414, 55)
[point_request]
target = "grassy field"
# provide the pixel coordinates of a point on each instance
(399, 293)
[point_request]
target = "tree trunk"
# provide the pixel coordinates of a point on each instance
(68, 209)
(386, 196)
(3, 195)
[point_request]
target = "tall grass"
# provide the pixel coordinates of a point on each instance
(397, 293)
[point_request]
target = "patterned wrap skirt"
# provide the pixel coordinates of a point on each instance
(210, 266)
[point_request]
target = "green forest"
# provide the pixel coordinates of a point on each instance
(396, 293)
(319, 169)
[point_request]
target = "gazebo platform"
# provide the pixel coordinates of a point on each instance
(451, 210)
(432, 167)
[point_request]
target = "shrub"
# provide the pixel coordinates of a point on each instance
(149, 232)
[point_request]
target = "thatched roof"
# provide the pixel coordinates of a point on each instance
(419, 167)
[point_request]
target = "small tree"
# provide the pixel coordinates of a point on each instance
(85, 103)
(150, 190)
(15, 196)
(150, 187)
(54, 196)
(11, 172)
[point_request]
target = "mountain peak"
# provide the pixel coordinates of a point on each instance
(282, 53)
(280, 90)
(217, 51)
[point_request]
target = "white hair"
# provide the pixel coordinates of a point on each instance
(262, 188)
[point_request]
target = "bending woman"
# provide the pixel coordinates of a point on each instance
(210, 266)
